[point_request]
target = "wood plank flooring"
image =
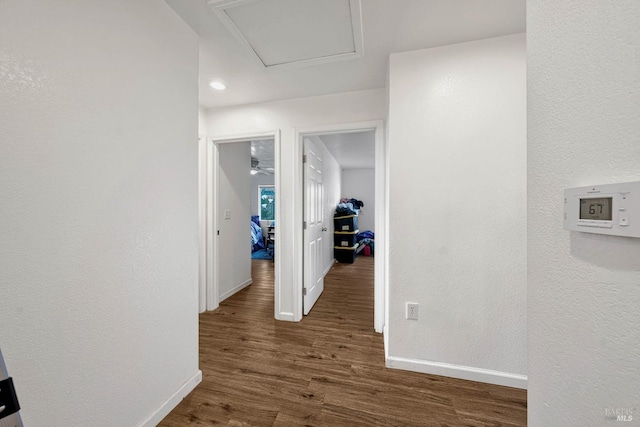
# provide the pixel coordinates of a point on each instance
(327, 370)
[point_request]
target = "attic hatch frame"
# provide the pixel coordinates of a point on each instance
(219, 8)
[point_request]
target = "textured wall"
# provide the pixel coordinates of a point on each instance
(457, 149)
(584, 289)
(360, 184)
(98, 178)
(202, 123)
(235, 235)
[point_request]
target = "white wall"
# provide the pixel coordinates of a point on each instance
(584, 129)
(256, 180)
(287, 115)
(331, 183)
(457, 149)
(202, 122)
(360, 184)
(235, 232)
(99, 220)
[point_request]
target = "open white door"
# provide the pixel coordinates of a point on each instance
(314, 218)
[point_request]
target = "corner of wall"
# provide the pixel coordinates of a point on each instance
(163, 410)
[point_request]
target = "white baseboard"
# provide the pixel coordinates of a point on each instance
(457, 371)
(173, 401)
(235, 289)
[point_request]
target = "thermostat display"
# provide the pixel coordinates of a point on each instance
(612, 209)
(596, 208)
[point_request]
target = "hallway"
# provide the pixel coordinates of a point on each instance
(327, 370)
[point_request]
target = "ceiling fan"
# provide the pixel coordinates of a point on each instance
(255, 169)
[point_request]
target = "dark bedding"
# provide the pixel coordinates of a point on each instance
(257, 241)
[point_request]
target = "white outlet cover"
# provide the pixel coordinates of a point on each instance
(412, 311)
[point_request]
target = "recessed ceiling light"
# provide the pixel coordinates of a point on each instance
(218, 85)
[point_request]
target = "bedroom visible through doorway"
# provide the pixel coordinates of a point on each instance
(242, 211)
(263, 200)
(339, 206)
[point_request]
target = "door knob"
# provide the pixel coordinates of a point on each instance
(324, 228)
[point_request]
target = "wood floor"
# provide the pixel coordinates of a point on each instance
(327, 370)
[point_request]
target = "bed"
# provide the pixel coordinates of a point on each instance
(257, 239)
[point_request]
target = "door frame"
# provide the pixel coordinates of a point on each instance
(213, 215)
(202, 223)
(381, 281)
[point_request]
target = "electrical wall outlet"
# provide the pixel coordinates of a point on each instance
(412, 310)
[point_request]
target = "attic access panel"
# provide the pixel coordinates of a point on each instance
(294, 33)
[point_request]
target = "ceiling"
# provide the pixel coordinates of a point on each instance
(352, 150)
(387, 27)
(263, 151)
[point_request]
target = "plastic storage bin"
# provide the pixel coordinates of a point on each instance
(345, 255)
(345, 239)
(345, 223)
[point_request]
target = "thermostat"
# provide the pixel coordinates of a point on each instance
(612, 209)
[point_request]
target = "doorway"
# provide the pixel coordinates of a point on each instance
(263, 200)
(379, 211)
(228, 214)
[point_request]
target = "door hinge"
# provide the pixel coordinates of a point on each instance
(304, 158)
(304, 291)
(304, 225)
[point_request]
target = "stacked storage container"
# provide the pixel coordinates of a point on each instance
(344, 238)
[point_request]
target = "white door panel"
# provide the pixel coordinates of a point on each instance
(314, 219)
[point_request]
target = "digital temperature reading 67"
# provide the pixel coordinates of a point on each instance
(596, 208)
(612, 209)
